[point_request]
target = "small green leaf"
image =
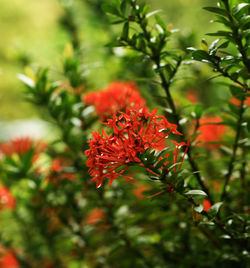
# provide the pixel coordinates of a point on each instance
(110, 9)
(238, 10)
(196, 192)
(26, 80)
(224, 21)
(198, 110)
(123, 7)
(198, 209)
(160, 22)
(213, 45)
(216, 10)
(224, 45)
(125, 31)
(215, 209)
(221, 33)
(204, 45)
(200, 55)
(153, 13)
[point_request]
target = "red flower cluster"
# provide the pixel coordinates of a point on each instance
(117, 97)
(210, 131)
(133, 132)
(22, 146)
(8, 259)
(6, 199)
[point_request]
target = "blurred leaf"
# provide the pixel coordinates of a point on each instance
(216, 10)
(198, 209)
(215, 209)
(26, 80)
(196, 192)
(198, 110)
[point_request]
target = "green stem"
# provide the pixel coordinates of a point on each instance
(166, 86)
(235, 147)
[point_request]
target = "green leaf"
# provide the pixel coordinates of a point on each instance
(215, 209)
(198, 110)
(244, 20)
(200, 55)
(238, 10)
(216, 10)
(236, 91)
(213, 45)
(153, 13)
(198, 209)
(224, 45)
(160, 22)
(221, 33)
(110, 9)
(26, 80)
(196, 192)
(204, 45)
(123, 7)
(224, 21)
(125, 31)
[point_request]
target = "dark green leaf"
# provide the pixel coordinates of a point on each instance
(216, 10)
(224, 45)
(125, 31)
(200, 55)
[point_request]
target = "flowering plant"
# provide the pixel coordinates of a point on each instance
(171, 171)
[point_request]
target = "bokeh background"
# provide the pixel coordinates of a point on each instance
(35, 33)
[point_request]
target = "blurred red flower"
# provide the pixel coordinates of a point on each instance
(138, 192)
(117, 97)
(22, 146)
(6, 199)
(191, 95)
(95, 216)
(57, 171)
(56, 165)
(133, 132)
(237, 102)
(8, 259)
(211, 131)
(206, 205)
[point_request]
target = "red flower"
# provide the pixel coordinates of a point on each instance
(211, 131)
(95, 216)
(191, 95)
(237, 102)
(133, 133)
(56, 166)
(138, 192)
(117, 97)
(6, 199)
(22, 146)
(8, 259)
(206, 205)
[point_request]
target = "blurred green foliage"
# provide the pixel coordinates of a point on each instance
(37, 31)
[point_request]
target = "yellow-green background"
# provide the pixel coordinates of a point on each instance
(31, 34)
